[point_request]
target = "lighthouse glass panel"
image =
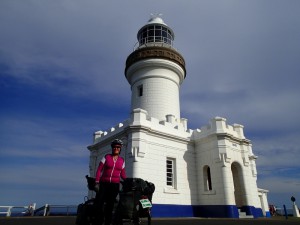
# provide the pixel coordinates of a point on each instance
(155, 33)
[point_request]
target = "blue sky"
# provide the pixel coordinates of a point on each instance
(62, 78)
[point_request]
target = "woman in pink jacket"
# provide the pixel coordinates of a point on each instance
(111, 168)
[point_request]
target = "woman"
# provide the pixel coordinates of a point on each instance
(111, 168)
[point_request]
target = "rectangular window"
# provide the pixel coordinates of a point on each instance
(140, 90)
(170, 171)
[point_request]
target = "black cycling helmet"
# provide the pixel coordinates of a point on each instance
(116, 142)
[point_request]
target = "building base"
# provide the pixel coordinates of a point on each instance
(213, 211)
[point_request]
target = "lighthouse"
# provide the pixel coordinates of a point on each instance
(155, 71)
(206, 172)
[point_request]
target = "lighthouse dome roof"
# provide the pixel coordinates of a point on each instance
(155, 19)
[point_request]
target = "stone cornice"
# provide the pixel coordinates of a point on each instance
(155, 52)
(227, 136)
(157, 133)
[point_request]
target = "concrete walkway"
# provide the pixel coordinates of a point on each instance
(70, 220)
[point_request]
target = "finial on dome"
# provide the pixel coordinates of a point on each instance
(156, 18)
(155, 15)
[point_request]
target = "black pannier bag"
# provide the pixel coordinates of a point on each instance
(149, 190)
(86, 212)
(133, 190)
(91, 182)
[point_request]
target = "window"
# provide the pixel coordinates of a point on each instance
(170, 171)
(155, 33)
(140, 90)
(207, 179)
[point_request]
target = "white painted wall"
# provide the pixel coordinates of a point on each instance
(161, 81)
(149, 142)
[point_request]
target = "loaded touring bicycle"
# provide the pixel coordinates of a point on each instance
(135, 202)
(134, 205)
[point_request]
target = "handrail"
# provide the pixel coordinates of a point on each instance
(67, 207)
(27, 210)
(42, 211)
(47, 209)
(7, 212)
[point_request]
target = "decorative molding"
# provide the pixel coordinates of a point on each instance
(169, 190)
(253, 157)
(210, 192)
(155, 52)
(136, 153)
(224, 159)
(245, 161)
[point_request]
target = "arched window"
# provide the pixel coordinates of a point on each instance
(207, 178)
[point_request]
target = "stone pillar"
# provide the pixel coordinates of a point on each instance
(227, 180)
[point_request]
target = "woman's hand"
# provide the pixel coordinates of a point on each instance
(97, 187)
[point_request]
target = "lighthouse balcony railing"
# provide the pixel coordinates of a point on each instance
(153, 44)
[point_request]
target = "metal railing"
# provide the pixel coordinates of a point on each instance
(52, 210)
(151, 44)
(46, 210)
(18, 210)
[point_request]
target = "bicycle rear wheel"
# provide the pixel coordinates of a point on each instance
(142, 221)
(117, 219)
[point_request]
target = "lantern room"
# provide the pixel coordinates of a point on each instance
(155, 31)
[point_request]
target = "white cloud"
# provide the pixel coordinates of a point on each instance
(33, 137)
(51, 183)
(280, 185)
(279, 152)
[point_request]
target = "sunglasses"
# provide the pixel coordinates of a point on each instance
(118, 147)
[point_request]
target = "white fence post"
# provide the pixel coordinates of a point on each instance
(46, 210)
(8, 214)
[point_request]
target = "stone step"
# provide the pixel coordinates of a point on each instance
(243, 215)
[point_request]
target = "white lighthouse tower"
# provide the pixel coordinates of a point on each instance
(207, 172)
(155, 71)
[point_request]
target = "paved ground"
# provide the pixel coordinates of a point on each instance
(155, 221)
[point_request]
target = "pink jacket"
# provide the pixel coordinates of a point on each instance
(109, 170)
